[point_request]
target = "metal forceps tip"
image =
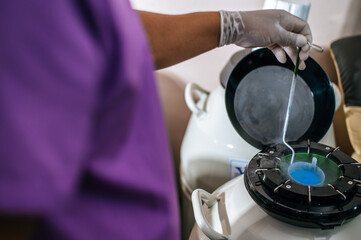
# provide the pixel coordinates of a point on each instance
(315, 47)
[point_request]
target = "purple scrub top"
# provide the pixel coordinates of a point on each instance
(82, 136)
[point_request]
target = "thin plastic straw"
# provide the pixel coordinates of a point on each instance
(290, 100)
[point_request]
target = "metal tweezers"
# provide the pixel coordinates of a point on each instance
(315, 47)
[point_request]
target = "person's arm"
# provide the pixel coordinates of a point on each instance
(175, 38)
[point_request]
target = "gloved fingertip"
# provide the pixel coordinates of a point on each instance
(302, 65)
(301, 41)
(281, 58)
(303, 55)
(280, 55)
(306, 48)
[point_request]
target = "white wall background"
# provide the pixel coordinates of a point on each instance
(329, 20)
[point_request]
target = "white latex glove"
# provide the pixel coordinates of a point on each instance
(277, 30)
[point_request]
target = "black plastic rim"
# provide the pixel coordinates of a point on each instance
(324, 207)
(314, 76)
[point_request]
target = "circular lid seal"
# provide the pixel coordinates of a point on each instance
(257, 96)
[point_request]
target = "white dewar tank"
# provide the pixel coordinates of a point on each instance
(230, 213)
(211, 146)
(212, 152)
(275, 198)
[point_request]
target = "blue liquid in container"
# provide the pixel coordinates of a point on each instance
(306, 173)
(306, 177)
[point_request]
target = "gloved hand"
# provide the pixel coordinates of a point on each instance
(277, 30)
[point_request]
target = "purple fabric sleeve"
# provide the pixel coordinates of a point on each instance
(49, 71)
(82, 137)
